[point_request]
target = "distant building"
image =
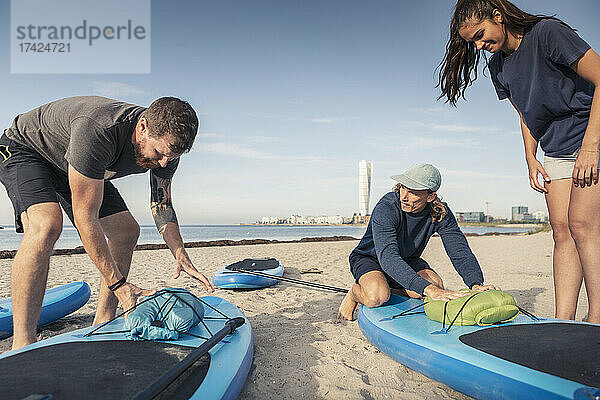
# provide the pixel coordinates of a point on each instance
(305, 220)
(470, 216)
(518, 211)
(540, 216)
(365, 170)
(521, 213)
(360, 219)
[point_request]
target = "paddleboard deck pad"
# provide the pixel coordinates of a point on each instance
(106, 365)
(58, 302)
(78, 370)
(521, 359)
(230, 277)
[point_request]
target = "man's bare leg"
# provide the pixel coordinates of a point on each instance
(122, 232)
(42, 227)
(372, 290)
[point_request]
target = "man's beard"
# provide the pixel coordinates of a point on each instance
(142, 161)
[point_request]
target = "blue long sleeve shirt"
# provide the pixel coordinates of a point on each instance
(394, 235)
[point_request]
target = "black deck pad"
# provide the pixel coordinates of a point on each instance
(255, 264)
(570, 351)
(98, 370)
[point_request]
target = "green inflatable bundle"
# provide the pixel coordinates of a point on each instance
(479, 308)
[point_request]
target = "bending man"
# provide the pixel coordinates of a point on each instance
(66, 152)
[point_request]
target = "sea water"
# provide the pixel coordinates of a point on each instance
(9, 239)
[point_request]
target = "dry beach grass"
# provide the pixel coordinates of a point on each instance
(301, 350)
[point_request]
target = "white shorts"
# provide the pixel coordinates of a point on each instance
(561, 167)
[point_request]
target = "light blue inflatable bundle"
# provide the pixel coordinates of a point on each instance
(163, 315)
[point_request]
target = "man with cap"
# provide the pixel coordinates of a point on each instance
(388, 256)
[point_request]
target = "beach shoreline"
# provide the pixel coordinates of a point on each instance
(9, 254)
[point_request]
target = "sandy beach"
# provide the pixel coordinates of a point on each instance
(301, 350)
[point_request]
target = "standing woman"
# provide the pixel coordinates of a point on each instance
(549, 74)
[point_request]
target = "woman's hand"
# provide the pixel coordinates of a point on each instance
(585, 171)
(536, 168)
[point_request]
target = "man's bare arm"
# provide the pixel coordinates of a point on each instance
(166, 223)
(161, 204)
(87, 196)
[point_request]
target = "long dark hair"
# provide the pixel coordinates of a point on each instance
(458, 69)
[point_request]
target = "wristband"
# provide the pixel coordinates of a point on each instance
(117, 284)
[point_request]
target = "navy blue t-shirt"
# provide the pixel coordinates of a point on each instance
(394, 235)
(554, 101)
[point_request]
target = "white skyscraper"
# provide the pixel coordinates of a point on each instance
(365, 169)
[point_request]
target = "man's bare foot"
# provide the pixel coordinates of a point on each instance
(346, 310)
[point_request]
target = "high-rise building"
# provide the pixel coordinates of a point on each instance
(365, 169)
(516, 210)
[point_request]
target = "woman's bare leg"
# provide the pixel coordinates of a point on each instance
(584, 224)
(567, 270)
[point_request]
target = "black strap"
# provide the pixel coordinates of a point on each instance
(117, 284)
(530, 315)
(408, 312)
(444, 317)
(458, 313)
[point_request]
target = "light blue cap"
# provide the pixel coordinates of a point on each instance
(420, 177)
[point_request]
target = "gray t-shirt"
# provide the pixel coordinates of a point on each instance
(91, 133)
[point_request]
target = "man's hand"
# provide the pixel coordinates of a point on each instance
(128, 295)
(184, 264)
(483, 288)
(585, 171)
(436, 293)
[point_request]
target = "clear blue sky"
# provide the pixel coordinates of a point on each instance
(292, 94)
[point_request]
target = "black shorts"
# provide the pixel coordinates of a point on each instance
(31, 179)
(360, 265)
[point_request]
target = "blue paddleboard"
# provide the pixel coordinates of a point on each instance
(226, 278)
(108, 365)
(521, 359)
(58, 302)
